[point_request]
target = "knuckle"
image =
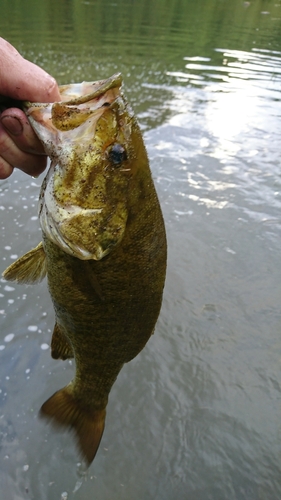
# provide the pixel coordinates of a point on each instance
(5, 169)
(5, 142)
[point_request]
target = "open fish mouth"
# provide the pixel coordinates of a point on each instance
(82, 206)
(81, 93)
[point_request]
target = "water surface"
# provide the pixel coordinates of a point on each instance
(196, 416)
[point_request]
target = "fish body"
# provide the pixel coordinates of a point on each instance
(103, 247)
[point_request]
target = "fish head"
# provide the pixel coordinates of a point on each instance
(83, 200)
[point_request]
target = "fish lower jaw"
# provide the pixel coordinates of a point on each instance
(53, 231)
(78, 251)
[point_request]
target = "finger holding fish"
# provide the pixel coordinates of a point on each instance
(21, 79)
(19, 145)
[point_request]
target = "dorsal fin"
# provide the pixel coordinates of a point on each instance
(28, 269)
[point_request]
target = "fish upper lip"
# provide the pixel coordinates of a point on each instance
(110, 83)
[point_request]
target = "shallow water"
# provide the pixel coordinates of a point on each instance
(197, 414)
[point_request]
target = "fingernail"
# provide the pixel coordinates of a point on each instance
(12, 125)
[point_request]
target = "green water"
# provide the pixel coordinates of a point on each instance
(76, 40)
(196, 416)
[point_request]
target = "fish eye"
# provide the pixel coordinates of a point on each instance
(117, 154)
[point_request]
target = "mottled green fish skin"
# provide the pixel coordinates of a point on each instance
(110, 325)
(106, 308)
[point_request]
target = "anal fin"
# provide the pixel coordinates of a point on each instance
(60, 346)
(28, 269)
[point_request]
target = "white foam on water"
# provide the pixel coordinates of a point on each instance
(9, 337)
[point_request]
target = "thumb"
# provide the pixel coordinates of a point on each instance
(23, 80)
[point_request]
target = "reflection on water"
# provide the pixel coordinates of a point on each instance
(197, 414)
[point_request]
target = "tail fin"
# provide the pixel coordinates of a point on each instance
(88, 425)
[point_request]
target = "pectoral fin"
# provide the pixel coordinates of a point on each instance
(28, 269)
(93, 280)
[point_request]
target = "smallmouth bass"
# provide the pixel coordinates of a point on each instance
(103, 247)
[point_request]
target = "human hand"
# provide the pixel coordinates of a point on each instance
(22, 80)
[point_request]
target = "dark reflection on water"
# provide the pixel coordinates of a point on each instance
(197, 414)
